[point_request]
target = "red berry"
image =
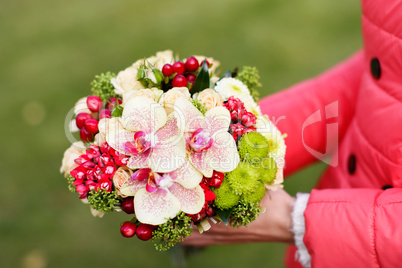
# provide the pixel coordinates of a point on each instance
(94, 103)
(105, 113)
(191, 64)
(127, 229)
(91, 125)
(178, 67)
(167, 69)
(210, 212)
(144, 231)
(81, 118)
(191, 78)
(128, 205)
(111, 103)
(208, 64)
(85, 135)
(179, 81)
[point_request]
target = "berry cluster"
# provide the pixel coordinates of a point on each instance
(96, 169)
(242, 120)
(206, 184)
(129, 228)
(182, 74)
(88, 123)
(143, 231)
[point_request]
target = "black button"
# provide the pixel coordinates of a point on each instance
(375, 68)
(352, 164)
(385, 187)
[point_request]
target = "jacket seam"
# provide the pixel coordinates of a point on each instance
(374, 236)
(331, 202)
(390, 203)
(380, 28)
(372, 146)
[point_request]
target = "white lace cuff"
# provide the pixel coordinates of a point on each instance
(299, 229)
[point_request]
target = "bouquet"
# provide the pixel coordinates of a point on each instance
(174, 146)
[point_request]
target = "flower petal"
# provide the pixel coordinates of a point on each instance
(217, 119)
(198, 159)
(189, 118)
(170, 131)
(157, 207)
(223, 155)
(187, 176)
(142, 113)
(116, 136)
(191, 200)
(167, 157)
(130, 187)
(139, 160)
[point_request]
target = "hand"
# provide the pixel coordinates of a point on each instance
(274, 225)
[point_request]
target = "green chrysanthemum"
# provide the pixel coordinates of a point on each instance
(244, 179)
(225, 197)
(244, 213)
(267, 169)
(256, 196)
(102, 87)
(253, 147)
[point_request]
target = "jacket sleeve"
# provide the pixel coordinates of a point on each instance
(354, 228)
(295, 111)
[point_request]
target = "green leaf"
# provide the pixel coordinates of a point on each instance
(118, 111)
(224, 214)
(202, 80)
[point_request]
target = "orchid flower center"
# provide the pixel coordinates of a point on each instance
(201, 140)
(156, 181)
(142, 143)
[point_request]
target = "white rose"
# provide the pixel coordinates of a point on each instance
(72, 153)
(153, 94)
(126, 80)
(169, 98)
(164, 57)
(210, 98)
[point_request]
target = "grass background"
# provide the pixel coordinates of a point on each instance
(51, 50)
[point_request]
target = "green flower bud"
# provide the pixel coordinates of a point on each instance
(158, 75)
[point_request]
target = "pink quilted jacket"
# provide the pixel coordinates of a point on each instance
(354, 217)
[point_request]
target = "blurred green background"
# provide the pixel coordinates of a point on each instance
(51, 50)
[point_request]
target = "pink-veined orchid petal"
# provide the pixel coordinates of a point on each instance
(151, 187)
(217, 119)
(169, 132)
(191, 200)
(167, 157)
(189, 118)
(157, 207)
(116, 136)
(143, 114)
(141, 174)
(139, 160)
(198, 159)
(187, 176)
(223, 155)
(130, 187)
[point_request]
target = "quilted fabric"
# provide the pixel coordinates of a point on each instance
(354, 217)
